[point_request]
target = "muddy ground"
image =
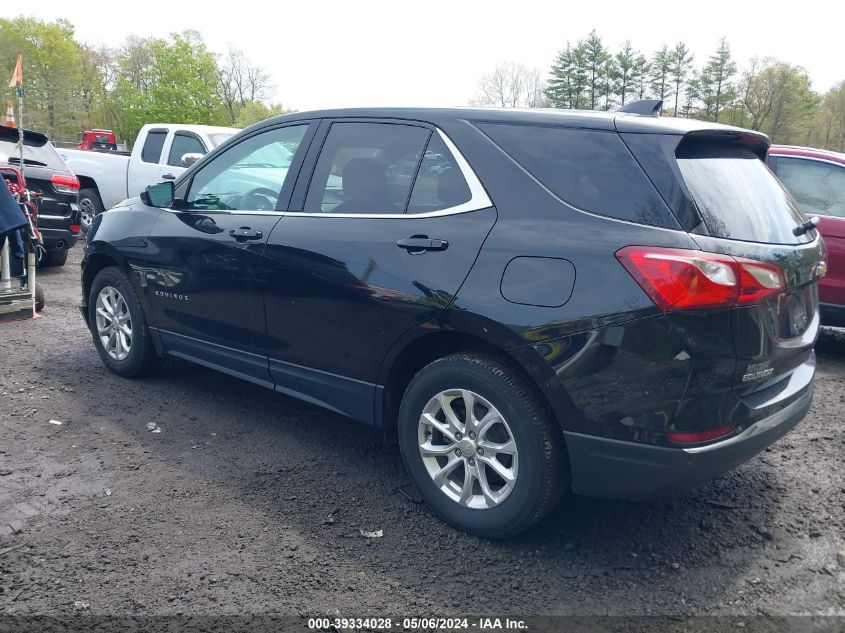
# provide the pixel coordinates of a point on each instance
(244, 501)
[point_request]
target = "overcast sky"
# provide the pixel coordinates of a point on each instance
(328, 53)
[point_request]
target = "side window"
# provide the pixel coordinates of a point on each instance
(366, 168)
(151, 152)
(590, 169)
(249, 176)
(818, 187)
(440, 183)
(184, 144)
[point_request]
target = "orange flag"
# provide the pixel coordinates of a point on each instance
(17, 76)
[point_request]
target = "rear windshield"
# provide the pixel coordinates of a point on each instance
(737, 196)
(590, 169)
(35, 156)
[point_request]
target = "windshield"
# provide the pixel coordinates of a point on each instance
(738, 197)
(218, 137)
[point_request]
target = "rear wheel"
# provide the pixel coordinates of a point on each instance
(480, 446)
(90, 206)
(118, 325)
(54, 258)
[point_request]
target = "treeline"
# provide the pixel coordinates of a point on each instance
(71, 86)
(769, 95)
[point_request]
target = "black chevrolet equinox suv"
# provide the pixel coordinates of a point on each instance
(533, 302)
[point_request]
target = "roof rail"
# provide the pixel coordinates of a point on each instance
(648, 107)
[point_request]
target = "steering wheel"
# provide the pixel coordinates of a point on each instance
(260, 199)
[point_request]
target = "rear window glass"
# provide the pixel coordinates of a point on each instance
(589, 169)
(440, 183)
(818, 187)
(737, 196)
(43, 156)
(151, 153)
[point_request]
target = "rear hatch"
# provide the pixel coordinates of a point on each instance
(45, 173)
(733, 205)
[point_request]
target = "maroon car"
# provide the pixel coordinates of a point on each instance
(816, 179)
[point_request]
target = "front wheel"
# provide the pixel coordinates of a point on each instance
(118, 325)
(480, 446)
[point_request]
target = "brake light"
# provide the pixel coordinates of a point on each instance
(64, 183)
(701, 436)
(75, 228)
(680, 279)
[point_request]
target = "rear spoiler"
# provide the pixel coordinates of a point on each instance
(30, 138)
(702, 141)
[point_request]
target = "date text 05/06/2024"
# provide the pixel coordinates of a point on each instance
(417, 624)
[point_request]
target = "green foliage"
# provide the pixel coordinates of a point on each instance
(715, 85)
(52, 68)
(255, 111)
(71, 86)
(772, 96)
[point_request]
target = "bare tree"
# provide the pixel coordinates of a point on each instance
(240, 82)
(511, 85)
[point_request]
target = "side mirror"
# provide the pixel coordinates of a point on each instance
(190, 158)
(160, 195)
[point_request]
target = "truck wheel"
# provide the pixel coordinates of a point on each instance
(90, 206)
(119, 326)
(480, 446)
(54, 258)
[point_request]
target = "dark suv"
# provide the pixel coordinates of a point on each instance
(533, 302)
(46, 173)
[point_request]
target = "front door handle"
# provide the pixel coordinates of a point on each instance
(246, 233)
(421, 243)
(168, 176)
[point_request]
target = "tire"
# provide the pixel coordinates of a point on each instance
(39, 297)
(539, 466)
(141, 358)
(54, 258)
(90, 206)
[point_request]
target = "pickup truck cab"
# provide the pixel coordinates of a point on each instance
(162, 151)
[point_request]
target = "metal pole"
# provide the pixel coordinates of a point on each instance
(5, 273)
(30, 254)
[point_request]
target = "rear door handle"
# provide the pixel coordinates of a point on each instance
(168, 176)
(246, 233)
(421, 243)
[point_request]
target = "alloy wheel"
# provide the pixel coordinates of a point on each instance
(87, 211)
(468, 449)
(114, 323)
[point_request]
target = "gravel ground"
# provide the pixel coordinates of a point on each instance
(240, 500)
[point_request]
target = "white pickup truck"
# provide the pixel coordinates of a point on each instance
(161, 152)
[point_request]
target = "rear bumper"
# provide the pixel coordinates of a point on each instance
(604, 467)
(55, 239)
(832, 315)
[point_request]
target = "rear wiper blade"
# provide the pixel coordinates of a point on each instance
(809, 225)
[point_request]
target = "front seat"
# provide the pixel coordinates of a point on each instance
(365, 188)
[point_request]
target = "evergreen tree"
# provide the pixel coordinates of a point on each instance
(715, 86)
(680, 68)
(661, 64)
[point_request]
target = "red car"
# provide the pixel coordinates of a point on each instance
(816, 179)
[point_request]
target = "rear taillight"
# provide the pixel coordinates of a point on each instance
(65, 184)
(75, 228)
(680, 279)
(700, 436)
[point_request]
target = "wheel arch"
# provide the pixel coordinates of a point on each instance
(86, 182)
(411, 355)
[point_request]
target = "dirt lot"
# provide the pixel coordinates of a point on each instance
(242, 500)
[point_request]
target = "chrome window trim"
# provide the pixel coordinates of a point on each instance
(478, 195)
